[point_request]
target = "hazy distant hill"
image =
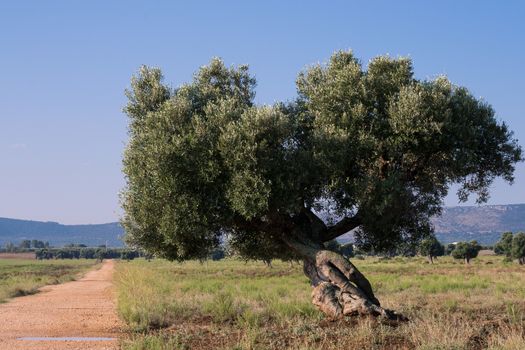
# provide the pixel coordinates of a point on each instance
(482, 223)
(14, 230)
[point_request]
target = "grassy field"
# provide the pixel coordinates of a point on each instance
(233, 305)
(20, 277)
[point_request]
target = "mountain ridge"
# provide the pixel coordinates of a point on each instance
(16, 230)
(460, 223)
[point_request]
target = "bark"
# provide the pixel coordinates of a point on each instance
(339, 288)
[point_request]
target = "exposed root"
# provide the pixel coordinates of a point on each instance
(343, 291)
(337, 304)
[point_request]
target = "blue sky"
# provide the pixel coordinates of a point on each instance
(65, 64)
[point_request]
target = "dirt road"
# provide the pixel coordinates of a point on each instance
(82, 309)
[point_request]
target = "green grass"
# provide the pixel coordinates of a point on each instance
(24, 277)
(235, 305)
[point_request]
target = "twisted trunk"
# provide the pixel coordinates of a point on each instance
(339, 288)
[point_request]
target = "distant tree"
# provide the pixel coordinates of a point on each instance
(218, 254)
(100, 254)
(431, 248)
(128, 254)
(347, 250)
(42, 254)
(75, 245)
(377, 145)
(87, 253)
(10, 247)
(518, 248)
(148, 256)
(450, 247)
(67, 253)
(62, 254)
(466, 251)
(504, 245)
(333, 245)
(25, 244)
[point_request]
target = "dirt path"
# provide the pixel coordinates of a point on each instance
(83, 308)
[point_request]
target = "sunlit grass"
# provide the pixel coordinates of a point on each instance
(230, 304)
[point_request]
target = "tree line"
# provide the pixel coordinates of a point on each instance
(98, 253)
(25, 245)
(511, 245)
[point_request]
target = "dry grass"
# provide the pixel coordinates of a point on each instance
(19, 277)
(233, 305)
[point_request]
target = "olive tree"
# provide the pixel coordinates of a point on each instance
(466, 251)
(373, 145)
(504, 245)
(518, 247)
(431, 248)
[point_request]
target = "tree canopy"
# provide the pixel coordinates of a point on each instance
(504, 245)
(518, 247)
(431, 248)
(466, 251)
(372, 145)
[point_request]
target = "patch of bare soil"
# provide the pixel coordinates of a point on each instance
(83, 309)
(28, 256)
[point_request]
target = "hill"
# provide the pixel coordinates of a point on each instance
(482, 223)
(14, 230)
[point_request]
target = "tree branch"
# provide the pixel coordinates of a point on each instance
(316, 224)
(342, 227)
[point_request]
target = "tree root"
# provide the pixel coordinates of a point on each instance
(340, 290)
(337, 304)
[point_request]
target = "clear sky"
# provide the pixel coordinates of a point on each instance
(65, 64)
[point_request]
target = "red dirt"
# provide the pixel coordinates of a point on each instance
(28, 256)
(83, 308)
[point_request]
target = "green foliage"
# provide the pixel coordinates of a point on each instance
(218, 254)
(450, 248)
(39, 244)
(466, 250)
(332, 245)
(343, 249)
(431, 247)
(128, 254)
(347, 250)
(374, 144)
(504, 245)
(518, 247)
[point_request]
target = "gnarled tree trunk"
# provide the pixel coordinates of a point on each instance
(339, 289)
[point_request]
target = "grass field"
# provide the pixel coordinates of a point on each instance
(232, 305)
(20, 277)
